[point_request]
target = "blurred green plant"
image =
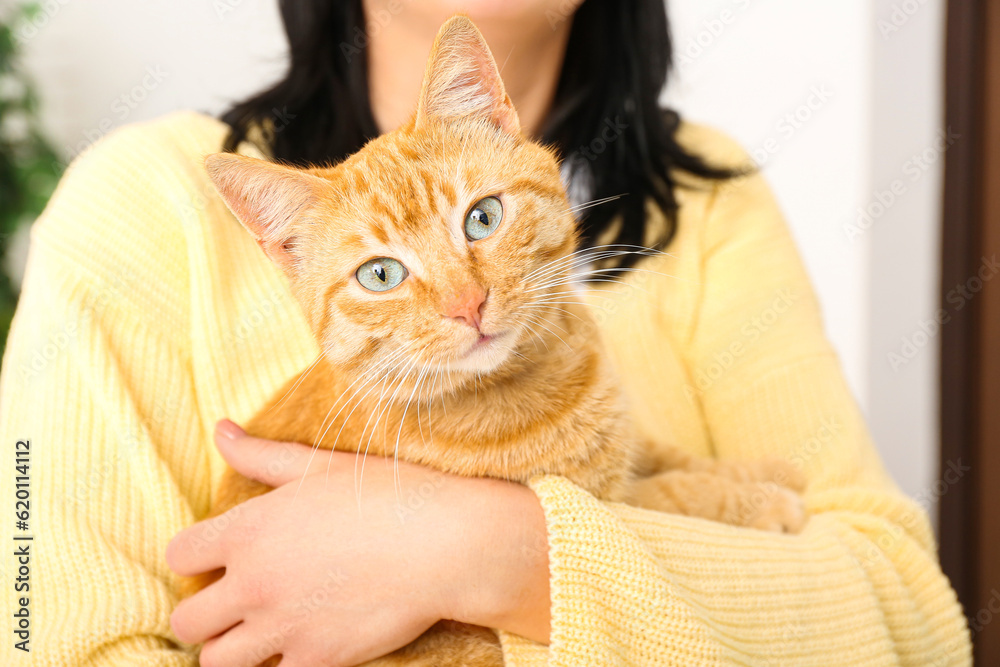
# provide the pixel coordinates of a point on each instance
(29, 166)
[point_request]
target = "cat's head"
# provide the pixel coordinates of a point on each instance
(434, 244)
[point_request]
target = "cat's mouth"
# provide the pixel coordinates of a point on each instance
(484, 339)
(486, 343)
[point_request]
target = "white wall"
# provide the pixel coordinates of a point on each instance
(860, 105)
(101, 64)
(905, 242)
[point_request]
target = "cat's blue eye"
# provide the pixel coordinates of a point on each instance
(484, 218)
(381, 274)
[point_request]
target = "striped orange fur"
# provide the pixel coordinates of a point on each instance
(482, 361)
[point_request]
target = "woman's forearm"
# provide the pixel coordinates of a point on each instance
(508, 580)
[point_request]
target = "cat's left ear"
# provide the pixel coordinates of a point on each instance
(267, 198)
(462, 81)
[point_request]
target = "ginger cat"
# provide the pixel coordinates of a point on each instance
(435, 267)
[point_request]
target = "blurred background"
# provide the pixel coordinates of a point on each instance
(838, 102)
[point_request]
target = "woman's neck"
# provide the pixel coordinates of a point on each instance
(528, 50)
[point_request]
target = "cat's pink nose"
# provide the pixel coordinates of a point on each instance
(467, 307)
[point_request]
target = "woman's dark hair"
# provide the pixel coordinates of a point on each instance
(605, 120)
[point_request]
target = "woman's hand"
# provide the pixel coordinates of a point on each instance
(333, 567)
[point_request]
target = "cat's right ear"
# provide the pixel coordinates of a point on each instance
(266, 197)
(462, 81)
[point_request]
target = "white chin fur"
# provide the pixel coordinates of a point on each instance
(483, 359)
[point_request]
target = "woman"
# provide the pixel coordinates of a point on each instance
(154, 315)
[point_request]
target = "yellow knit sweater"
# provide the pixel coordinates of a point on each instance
(148, 313)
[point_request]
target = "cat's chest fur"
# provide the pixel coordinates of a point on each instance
(556, 410)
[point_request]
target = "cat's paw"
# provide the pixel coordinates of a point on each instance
(766, 470)
(783, 511)
(780, 472)
(787, 475)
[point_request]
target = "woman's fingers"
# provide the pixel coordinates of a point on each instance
(270, 462)
(241, 646)
(198, 548)
(208, 613)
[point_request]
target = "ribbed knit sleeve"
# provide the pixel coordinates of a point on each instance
(861, 584)
(96, 376)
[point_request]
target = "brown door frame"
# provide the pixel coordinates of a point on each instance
(969, 510)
